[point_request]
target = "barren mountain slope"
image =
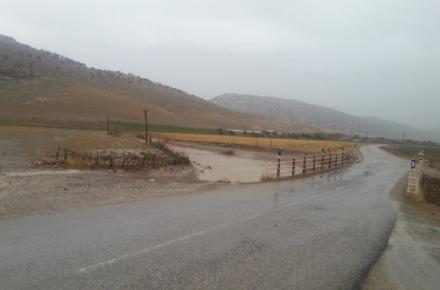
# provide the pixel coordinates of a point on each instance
(322, 118)
(40, 85)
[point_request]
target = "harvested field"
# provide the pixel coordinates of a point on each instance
(292, 145)
(39, 143)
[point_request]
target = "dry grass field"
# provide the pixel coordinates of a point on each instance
(291, 145)
(39, 143)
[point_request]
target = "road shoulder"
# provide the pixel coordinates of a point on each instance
(412, 259)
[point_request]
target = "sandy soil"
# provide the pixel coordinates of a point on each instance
(26, 191)
(412, 259)
(40, 192)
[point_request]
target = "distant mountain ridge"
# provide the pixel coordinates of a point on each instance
(38, 85)
(41, 85)
(319, 117)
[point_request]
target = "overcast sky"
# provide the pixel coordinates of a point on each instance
(366, 57)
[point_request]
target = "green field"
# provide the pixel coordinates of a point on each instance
(125, 126)
(137, 127)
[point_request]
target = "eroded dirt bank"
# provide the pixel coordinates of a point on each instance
(27, 191)
(412, 258)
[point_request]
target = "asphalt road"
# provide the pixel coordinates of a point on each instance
(322, 232)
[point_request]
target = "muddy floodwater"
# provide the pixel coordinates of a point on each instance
(213, 166)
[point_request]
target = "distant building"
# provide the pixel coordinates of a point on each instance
(252, 132)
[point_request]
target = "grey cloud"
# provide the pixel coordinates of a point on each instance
(371, 58)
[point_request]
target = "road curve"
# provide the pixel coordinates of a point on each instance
(322, 232)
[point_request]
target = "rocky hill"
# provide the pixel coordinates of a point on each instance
(40, 85)
(319, 117)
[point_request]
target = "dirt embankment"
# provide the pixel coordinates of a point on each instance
(412, 259)
(26, 191)
(430, 185)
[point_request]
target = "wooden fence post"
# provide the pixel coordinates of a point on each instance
(58, 153)
(279, 168)
(336, 160)
(342, 158)
(330, 160)
(123, 160)
(108, 124)
(97, 158)
(293, 166)
(65, 154)
(314, 163)
(322, 162)
(146, 125)
(304, 165)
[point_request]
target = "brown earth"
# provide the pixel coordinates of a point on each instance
(40, 86)
(26, 191)
(412, 259)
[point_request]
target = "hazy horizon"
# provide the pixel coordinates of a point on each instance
(372, 58)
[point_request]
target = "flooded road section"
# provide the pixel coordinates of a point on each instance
(322, 232)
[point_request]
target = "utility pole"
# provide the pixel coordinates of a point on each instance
(146, 125)
(108, 124)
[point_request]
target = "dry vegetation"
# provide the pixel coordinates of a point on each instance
(432, 154)
(25, 190)
(44, 86)
(43, 142)
(302, 146)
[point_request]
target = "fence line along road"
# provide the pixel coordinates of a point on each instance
(304, 165)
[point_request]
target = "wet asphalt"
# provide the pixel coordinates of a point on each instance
(322, 232)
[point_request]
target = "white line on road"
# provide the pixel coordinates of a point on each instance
(90, 268)
(170, 242)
